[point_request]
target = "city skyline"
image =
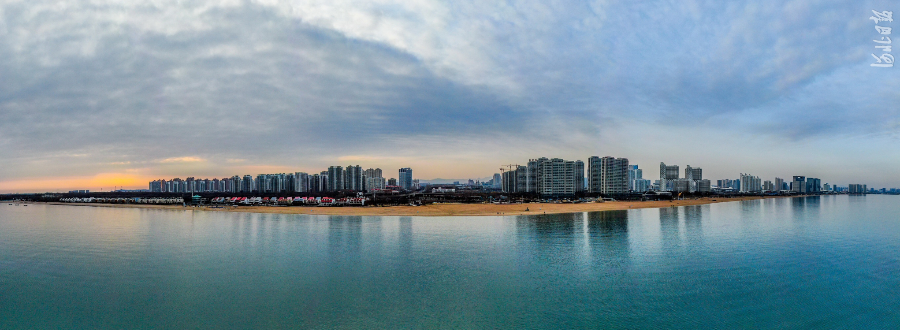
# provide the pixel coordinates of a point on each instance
(672, 172)
(124, 93)
(624, 177)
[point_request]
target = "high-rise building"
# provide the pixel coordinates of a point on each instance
(704, 186)
(521, 180)
(681, 185)
(723, 183)
(406, 178)
(636, 181)
(262, 183)
(799, 184)
(156, 185)
(374, 183)
(693, 176)
(813, 185)
(750, 184)
(634, 173)
(335, 178)
(667, 176)
(557, 178)
(247, 184)
(301, 182)
(857, 188)
(318, 182)
(612, 174)
(546, 177)
(510, 181)
(392, 182)
(373, 173)
(668, 172)
(354, 178)
(495, 183)
(579, 176)
(779, 184)
(641, 185)
(533, 174)
(594, 174)
(693, 173)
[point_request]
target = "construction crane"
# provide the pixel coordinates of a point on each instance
(510, 167)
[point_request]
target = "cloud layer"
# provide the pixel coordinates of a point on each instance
(215, 88)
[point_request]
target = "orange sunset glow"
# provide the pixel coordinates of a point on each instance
(102, 181)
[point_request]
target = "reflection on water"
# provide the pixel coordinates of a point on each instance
(608, 224)
(693, 222)
(806, 262)
(608, 233)
(405, 237)
(670, 234)
(549, 226)
(806, 208)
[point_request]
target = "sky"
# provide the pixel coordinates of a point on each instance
(103, 94)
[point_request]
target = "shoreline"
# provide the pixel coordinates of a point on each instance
(439, 210)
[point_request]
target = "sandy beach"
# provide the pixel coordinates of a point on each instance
(441, 209)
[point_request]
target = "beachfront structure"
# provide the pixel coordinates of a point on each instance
(406, 178)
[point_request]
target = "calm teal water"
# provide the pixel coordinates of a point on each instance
(801, 263)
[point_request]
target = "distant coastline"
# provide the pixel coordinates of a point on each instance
(439, 210)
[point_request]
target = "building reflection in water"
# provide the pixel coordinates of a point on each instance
(405, 238)
(551, 238)
(693, 221)
(806, 207)
(598, 239)
(608, 234)
(549, 228)
(344, 236)
(670, 234)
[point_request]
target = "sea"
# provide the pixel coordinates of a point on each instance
(821, 262)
